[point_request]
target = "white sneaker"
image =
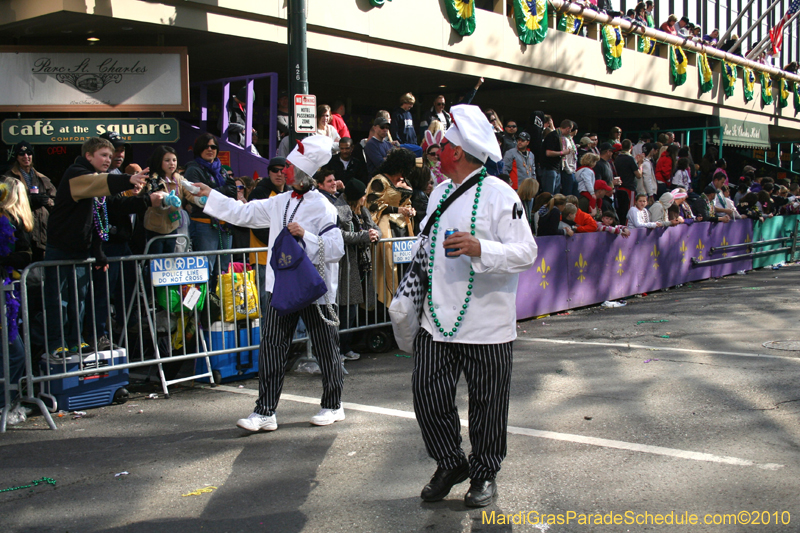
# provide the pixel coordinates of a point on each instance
(257, 422)
(326, 417)
(351, 356)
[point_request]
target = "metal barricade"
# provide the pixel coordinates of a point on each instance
(67, 300)
(791, 249)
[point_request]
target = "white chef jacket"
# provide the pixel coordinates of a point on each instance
(315, 215)
(507, 248)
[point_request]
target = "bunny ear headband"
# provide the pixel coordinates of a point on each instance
(431, 139)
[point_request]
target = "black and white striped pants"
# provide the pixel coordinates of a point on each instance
(487, 369)
(276, 339)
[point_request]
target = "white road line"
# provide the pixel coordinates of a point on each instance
(552, 435)
(657, 348)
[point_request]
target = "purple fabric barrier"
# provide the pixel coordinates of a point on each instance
(544, 287)
(590, 268)
(734, 232)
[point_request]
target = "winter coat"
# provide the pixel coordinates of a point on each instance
(39, 203)
(350, 285)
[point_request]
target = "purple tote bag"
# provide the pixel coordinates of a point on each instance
(297, 282)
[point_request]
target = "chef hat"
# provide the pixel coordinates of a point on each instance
(473, 133)
(311, 153)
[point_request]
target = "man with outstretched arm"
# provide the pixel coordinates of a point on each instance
(309, 217)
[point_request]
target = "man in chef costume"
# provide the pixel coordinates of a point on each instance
(469, 318)
(309, 217)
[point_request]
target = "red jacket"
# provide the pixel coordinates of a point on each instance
(585, 222)
(338, 123)
(664, 168)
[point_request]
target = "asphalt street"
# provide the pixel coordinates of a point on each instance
(670, 406)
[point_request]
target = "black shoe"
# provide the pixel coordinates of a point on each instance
(481, 493)
(443, 480)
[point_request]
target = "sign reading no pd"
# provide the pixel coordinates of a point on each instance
(305, 113)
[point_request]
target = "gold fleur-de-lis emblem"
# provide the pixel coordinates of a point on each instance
(285, 260)
(747, 238)
(724, 243)
(700, 246)
(683, 251)
(581, 264)
(543, 269)
(620, 259)
(654, 254)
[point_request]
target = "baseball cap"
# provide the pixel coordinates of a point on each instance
(114, 138)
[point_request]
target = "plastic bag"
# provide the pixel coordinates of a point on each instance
(176, 295)
(241, 301)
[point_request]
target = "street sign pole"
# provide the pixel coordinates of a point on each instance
(298, 60)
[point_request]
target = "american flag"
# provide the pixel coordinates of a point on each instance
(776, 33)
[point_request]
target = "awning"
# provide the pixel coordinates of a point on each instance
(742, 133)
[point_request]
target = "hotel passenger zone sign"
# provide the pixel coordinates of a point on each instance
(94, 79)
(305, 113)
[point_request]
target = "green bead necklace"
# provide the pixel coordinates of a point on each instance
(436, 216)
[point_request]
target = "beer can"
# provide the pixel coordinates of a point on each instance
(447, 233)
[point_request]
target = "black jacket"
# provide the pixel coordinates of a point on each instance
(71, 225)
(357, 169)
(195, 173)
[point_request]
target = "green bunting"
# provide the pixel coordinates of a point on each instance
(783, 98)
(728, 78)
(796, 98)
(749, 82)
(612, 45)
(766, 89)
(569, 23)
(461, 14)
(704, 71)
(531, 20)
(677, 65)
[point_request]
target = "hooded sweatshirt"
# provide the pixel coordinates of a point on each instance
(658, 211)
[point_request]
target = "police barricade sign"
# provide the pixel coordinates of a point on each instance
(401, 251)
(178, 270)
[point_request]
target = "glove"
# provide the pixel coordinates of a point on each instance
(171, 200)
(39, 200)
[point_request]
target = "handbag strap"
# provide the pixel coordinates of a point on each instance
(321, 270)
(450, 199)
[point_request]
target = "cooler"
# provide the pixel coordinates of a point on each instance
(91, 390)
(235, 365)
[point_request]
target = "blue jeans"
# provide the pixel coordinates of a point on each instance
(161, 246)
(61, 285)
(16, 367)
(551, 181)
(207, 238)
(98, 309)
(568, 184)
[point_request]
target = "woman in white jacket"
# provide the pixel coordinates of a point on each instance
(639, 216)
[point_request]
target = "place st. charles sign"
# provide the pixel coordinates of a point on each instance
(79, 130)
(68, 79)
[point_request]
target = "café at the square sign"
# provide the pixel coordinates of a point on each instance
(93, 79)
